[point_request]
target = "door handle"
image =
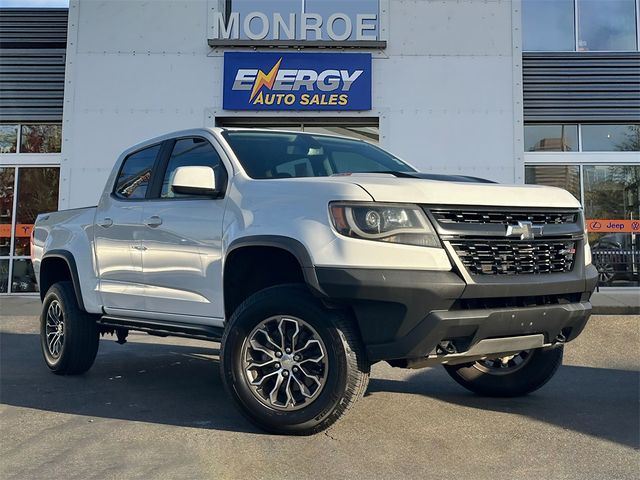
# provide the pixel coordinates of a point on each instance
(141, 248)
(154, 221)
(106, 222)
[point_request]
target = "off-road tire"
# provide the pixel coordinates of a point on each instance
(81, 338)
(347, 373)
(538, 370)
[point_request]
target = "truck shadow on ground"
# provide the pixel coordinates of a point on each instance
(600, 402)
(180, 385)
(158, 383)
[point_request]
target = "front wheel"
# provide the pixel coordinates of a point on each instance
(508, 376)
(292, 365)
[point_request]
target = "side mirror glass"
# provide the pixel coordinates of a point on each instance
(194, 180)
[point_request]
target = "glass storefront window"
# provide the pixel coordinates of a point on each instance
(4, 275)
(44, 138)
(37, 193)
(551, 138)
(606, 25)
(548, 25)
(8, 138)
(612, 193)
(23, 280)
(7, 177)
(561, 176)
(610, 138)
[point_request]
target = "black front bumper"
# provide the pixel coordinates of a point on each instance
(406, 314)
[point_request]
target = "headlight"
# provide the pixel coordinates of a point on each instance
(392, 223)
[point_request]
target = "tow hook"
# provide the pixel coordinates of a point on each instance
(561, 338)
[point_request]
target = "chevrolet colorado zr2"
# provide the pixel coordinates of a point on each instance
(309, 258)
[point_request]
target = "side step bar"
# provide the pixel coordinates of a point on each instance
(163, 328)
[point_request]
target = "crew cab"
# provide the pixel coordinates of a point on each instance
(309, 258)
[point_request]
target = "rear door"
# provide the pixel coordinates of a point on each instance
(182, 240)
(118, 235)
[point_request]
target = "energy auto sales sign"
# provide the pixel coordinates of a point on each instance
(297, 81)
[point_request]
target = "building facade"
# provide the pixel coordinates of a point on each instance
(536, 91)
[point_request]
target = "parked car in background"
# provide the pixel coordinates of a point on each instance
(617, 258)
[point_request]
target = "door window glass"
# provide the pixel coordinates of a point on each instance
(135, 173)
(551, 138)
(548, 25)
(192, 152)
(561, 176)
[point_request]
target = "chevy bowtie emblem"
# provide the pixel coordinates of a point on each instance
(526, 230)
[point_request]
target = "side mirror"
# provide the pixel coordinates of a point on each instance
(193, 180)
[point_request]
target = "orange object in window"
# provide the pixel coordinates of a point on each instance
(608, 226)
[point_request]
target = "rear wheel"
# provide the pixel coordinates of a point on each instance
(292, 365)
(68, 336)
(508, 376)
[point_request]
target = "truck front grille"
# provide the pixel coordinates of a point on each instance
(512, 257)
(453, 216)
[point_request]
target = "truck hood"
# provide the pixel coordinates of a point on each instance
(388, 188)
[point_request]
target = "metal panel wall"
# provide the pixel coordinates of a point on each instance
(584, 87)
(32, 63)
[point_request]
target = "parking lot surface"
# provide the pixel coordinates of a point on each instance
(155, 408)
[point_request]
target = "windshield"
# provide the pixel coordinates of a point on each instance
(288, 154)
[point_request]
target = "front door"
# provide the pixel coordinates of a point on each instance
(182, 242)
(118, 234)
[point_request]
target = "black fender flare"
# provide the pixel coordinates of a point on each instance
(291, 245)
(73, 269)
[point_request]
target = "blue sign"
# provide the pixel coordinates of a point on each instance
(297, 81)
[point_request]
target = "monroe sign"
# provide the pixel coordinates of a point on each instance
(307, 21)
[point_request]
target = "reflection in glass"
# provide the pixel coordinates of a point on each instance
(551, 138)
(44, 138)
(561, 176)
(7, 176)
(548, 25)
(351, 9)
(4, 275)
(23, 279)
(610, 138)
(37, 193)
(613, 193)
(8, 138)
(135, 173)
(606, 25)
(370, 134)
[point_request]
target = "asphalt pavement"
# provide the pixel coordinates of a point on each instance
(155, 408)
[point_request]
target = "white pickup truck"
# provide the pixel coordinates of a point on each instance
(311, 257)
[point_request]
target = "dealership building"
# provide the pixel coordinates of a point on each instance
(515, 91)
